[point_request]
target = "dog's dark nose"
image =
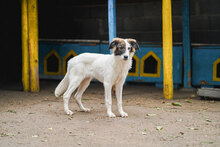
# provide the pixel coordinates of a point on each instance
(125, 57)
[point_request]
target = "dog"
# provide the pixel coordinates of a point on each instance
(110, 69)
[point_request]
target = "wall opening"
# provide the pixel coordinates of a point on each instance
(69, 56)
(52, 64)
(218, 70)
(150, 65)
(134, 71)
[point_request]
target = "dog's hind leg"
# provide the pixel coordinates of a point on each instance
(78, 96)
(73, 84)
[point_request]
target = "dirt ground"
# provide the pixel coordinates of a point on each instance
(38, 119)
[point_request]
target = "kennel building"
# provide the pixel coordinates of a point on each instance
(68, 28)
(147, 63)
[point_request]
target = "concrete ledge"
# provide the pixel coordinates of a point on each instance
(209, 92)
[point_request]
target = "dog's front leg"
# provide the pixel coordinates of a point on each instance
(119, 88)
(108, 99)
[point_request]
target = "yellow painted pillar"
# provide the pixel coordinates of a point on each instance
(33, 45)
(25, 53)
(167, 50)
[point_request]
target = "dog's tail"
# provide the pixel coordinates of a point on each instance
(61, 88)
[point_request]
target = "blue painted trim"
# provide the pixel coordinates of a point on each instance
(207, 86)
(111, 20)
(64, 48)
(202, 70)
(186, 43)
(160, 85)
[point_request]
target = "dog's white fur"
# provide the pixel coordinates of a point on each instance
(111, 70)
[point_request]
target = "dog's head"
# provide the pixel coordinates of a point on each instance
(125, 48)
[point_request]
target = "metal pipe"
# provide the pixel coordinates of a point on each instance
(112, 20)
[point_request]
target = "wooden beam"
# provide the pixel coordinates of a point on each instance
(186, 43)
(33, 45)
(25, 52)
(112, 20)
(167, 50)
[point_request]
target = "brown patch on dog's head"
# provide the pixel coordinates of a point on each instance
(133, 44)
(118, 45)
(133, 50)
(115, 42)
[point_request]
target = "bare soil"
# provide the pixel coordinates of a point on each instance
(38, 119)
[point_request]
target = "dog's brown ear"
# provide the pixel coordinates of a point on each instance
(133, 43)
(114, 43)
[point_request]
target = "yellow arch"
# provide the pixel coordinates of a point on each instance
(215, 78)
(151, 53)
(53, 52)
(65, 58)
(136, 67)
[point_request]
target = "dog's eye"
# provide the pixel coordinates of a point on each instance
(129, 48)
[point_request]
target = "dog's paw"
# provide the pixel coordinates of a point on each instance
(123, 114)
(111, 115)
(86, 110)
(69, 112)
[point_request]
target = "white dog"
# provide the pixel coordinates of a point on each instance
(111, 70)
